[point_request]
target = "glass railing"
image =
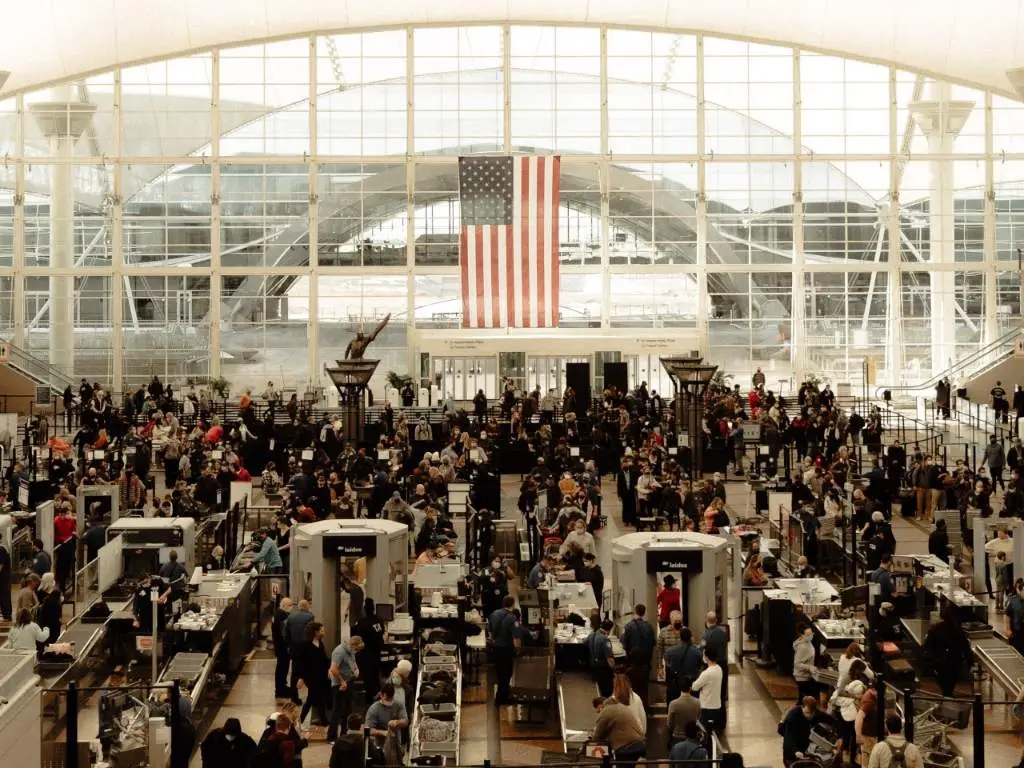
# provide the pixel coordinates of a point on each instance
(38, 370)
(968, 366)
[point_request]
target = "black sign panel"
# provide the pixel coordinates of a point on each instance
(670, 560)
(164, 537)
(340, 545)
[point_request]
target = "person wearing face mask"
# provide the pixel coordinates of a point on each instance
(493, 587)
(227, 745)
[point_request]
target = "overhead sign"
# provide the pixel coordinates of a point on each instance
(342, 545)
(675, 560)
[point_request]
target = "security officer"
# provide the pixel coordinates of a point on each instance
(639, 634)
(602, 660)
(502, 625)
(142, 604)
(175, 576)
(493, 587)
(370, 629)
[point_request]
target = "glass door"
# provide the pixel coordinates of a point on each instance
(546, 373)
(648, 368)
(463, 377)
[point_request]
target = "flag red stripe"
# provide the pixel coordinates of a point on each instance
(464, 269)
(495, 318)
(479, 237)
(510, 276)
(556, 166)
(542, 244)
(523, 227)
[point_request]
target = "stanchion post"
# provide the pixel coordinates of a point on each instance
(908, 715)
(880, 704)
(71, 732)
(175, 722)
(979, 731)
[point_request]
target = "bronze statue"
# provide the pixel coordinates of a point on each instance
(357, 347)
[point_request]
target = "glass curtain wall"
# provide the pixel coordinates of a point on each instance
(243, 211)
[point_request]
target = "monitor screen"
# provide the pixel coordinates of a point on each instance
(386, 611)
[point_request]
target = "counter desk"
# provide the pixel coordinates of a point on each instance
(225, 603)
(837, 633)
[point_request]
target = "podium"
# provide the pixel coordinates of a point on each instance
(350, 378)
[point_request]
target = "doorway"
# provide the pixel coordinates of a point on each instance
(546, 373)
(462, 377)
(649, 368)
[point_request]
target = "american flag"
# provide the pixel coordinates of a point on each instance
(508, 243)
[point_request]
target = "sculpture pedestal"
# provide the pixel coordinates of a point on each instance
(350, 378)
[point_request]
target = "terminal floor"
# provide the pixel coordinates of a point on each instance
(757, 697)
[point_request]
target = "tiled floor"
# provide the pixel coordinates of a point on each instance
(489, 733)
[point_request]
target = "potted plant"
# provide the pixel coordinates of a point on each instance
(721, 379)
(397, 380)
(221, 386)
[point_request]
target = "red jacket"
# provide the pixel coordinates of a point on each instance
(63, 529)
(285, 748)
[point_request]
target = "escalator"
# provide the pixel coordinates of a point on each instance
(965, 370)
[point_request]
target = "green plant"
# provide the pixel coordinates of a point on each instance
(721, 379)
(221, 386)
(398, 380)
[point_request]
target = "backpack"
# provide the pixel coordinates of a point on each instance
(898, 755)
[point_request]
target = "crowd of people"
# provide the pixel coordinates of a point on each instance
(630, 441)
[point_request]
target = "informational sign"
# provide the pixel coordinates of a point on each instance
(42, 395)
(673, 560)
(342, 545)
(23, 496)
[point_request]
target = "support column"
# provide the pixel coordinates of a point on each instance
(18, 273)
(889, 216)
(701, 206)
(797, 310)
(940, 119)
(62, 121)
(990, 330)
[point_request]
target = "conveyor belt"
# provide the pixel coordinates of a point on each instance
(531, 679)
(576, 691)
(1002, 662)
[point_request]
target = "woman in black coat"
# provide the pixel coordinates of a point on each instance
(938, 542)
(311, 664)
(50, 616)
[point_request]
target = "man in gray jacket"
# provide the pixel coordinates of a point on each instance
(995, 458)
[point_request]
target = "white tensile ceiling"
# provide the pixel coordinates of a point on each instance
(972, 42)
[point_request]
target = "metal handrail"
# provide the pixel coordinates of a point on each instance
(36, 369)
(984, 353)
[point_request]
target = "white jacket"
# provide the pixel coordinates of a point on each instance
(25, 638)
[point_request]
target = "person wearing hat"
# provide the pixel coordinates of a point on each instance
(227, 745)
(669, 599)
(602, 660)
(399, 678)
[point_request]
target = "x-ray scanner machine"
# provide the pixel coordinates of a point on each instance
(371, 553)
(702, 565)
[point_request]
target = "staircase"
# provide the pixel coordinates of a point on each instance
(37, 371)
(963, 371)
